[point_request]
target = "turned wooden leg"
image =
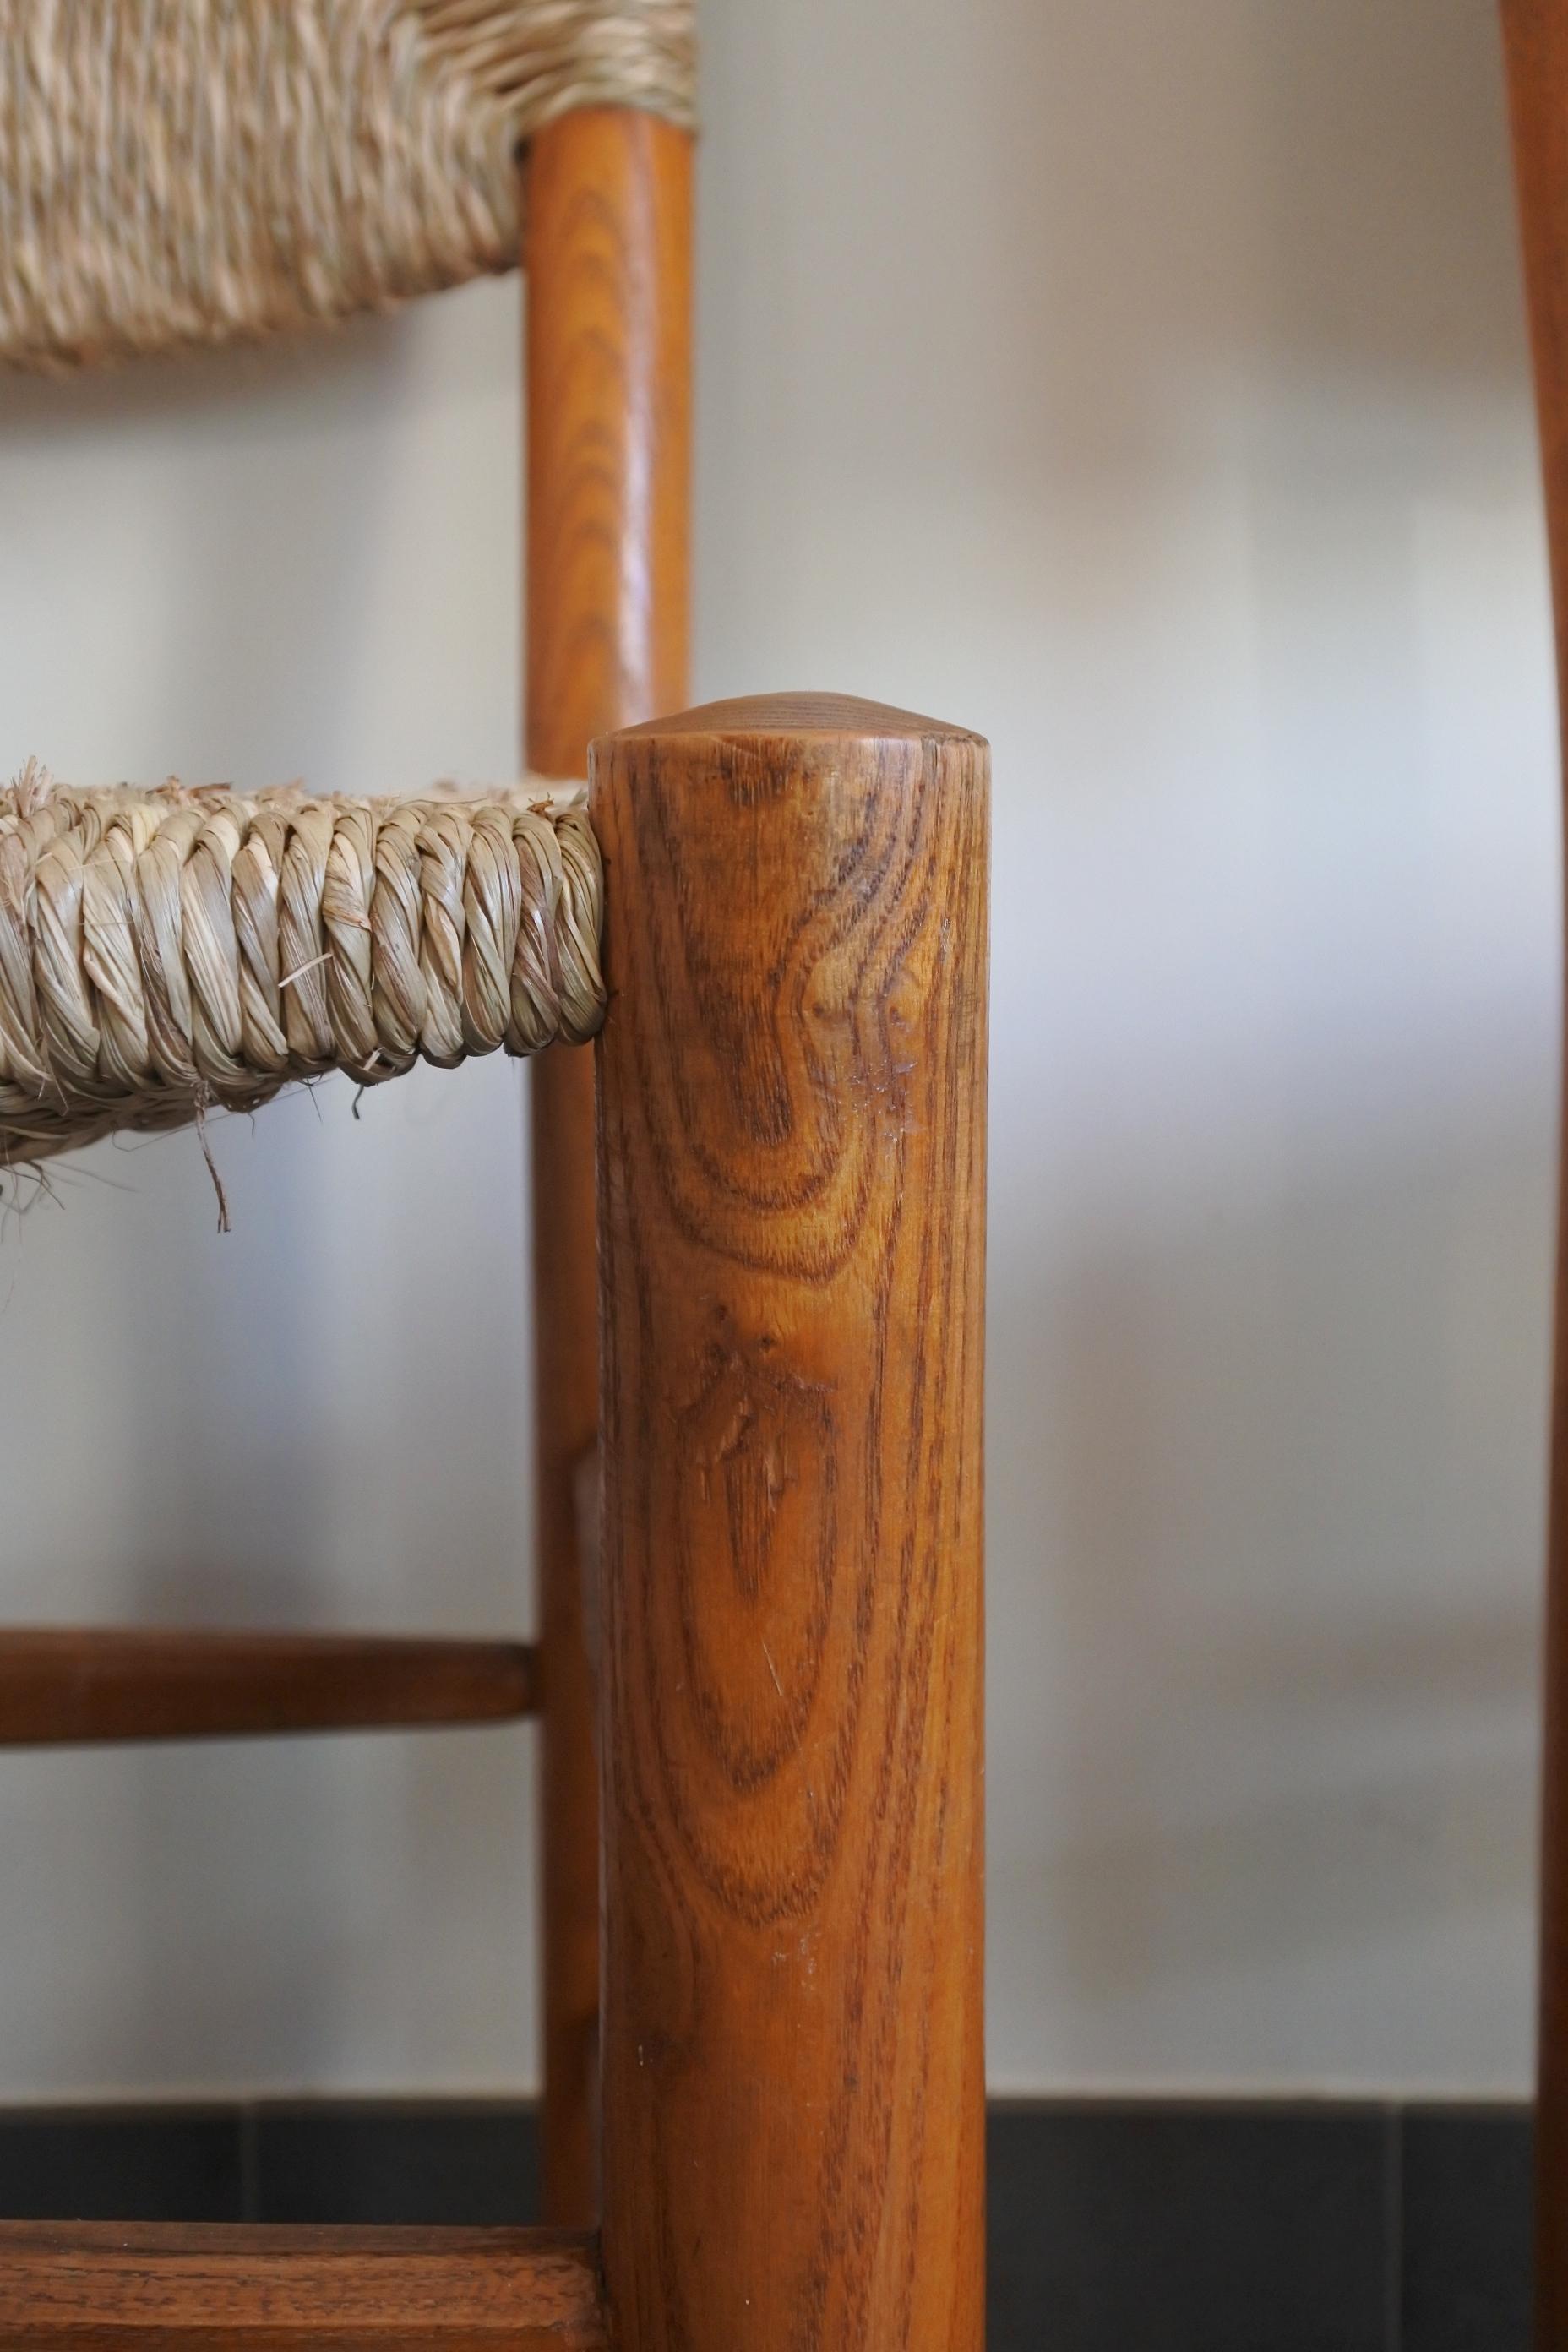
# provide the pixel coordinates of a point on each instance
(792, 1089)
(608, 202)
(1536, 37)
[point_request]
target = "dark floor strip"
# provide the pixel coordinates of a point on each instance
(1120, 2226)
(1465, 2276)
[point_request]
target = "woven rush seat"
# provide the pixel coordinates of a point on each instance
(169, 951)
(180, 171)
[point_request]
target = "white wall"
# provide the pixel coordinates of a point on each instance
(1147, 388)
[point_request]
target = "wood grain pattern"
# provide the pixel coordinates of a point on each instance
(608, 206)
(115, 2287)
(79, 1684)
(792, 1191)
(609, 362)
(1536, 41)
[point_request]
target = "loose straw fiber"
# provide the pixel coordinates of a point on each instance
(176, 172)
(166, 952)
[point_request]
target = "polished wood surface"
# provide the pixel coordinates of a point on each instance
(608, 208)
(609, 362)
(1536, 40)
(129, 2287)
(79, 1684)
(792, 1201)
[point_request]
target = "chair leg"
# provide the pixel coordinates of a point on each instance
(792, 1087)
(608, 209)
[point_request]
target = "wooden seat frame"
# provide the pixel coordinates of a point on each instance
(781, 2146)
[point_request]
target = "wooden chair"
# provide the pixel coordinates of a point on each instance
(763, 2107)
(1536, 42)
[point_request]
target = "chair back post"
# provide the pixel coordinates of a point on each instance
(607, 212)
(1536, 43)
(792, 1094)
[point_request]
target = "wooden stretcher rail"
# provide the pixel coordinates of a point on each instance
(83, 1685)
(121, 2287)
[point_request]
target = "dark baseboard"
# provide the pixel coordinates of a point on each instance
(1116, 2226)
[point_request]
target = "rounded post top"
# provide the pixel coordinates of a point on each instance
(818, 715)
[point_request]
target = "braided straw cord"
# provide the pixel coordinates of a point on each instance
(166, 952)
(175, 172)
